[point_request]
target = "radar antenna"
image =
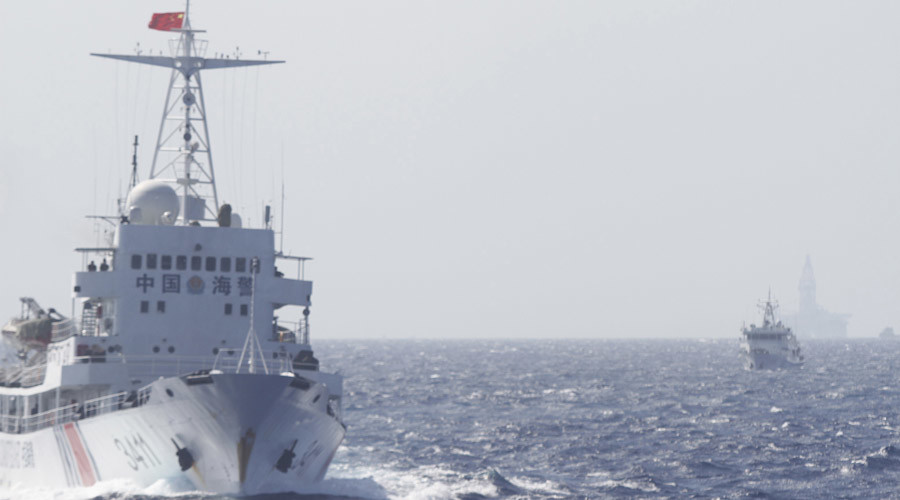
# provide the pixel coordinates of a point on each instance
(768, 309)
(182, 144)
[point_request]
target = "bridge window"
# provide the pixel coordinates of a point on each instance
(165, 262)
(240, 265)
(227, 309)
(211, 264)
(181, 262)
(151, 261)
(136, 261)
(225, 264)
(161, 306)
(243, 309)
(196, 263)
(145, 306)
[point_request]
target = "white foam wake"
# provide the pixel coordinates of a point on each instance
(114, 488)
(421, 483)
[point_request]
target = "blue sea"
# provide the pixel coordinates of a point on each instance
(546, 419)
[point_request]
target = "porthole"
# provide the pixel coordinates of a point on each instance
(170, 393)
(156, 348)
(215, 350)
(171, 349)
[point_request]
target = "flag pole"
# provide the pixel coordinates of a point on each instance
(183, 140)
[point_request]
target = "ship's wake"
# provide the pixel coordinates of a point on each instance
(125, 489)
(431, 483)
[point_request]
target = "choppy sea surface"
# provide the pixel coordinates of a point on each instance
(474, 420)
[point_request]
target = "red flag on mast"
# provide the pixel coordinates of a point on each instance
(167, 21)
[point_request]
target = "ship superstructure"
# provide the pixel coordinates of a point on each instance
(173, 364)
(771, 345)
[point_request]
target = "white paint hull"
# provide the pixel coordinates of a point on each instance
(766, 361)
(236, 427)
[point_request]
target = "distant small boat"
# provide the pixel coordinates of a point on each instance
(771, 345)
(887, 333)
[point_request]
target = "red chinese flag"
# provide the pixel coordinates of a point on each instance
(167, 21)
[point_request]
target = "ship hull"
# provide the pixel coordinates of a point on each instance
(767, 361)
(238, 434)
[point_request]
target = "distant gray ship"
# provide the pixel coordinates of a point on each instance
(772, 345)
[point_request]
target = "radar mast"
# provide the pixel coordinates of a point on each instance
(183, 154)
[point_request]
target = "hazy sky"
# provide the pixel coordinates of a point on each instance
(491, 169)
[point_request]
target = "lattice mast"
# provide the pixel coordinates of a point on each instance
(183, 155)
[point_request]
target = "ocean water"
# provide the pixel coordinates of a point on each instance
(473, 420)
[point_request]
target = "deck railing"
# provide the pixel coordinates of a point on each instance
(146, 368)
(292, 332)
(228, 360)
(15, 424)
(142, 368)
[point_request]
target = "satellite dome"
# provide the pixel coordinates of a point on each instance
(153, 203)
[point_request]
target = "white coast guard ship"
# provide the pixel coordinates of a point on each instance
(771, 345)
(172, 363)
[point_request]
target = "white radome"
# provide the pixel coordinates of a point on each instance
(152, 203)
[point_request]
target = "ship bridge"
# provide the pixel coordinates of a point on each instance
(189, 290)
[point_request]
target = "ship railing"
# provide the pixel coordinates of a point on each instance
(106, 404)
(143, 395)
(15, 424)
(150, 367)
(229, 360)
(294, 332)
(226, 360)
(31, 423)
(9, 424)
